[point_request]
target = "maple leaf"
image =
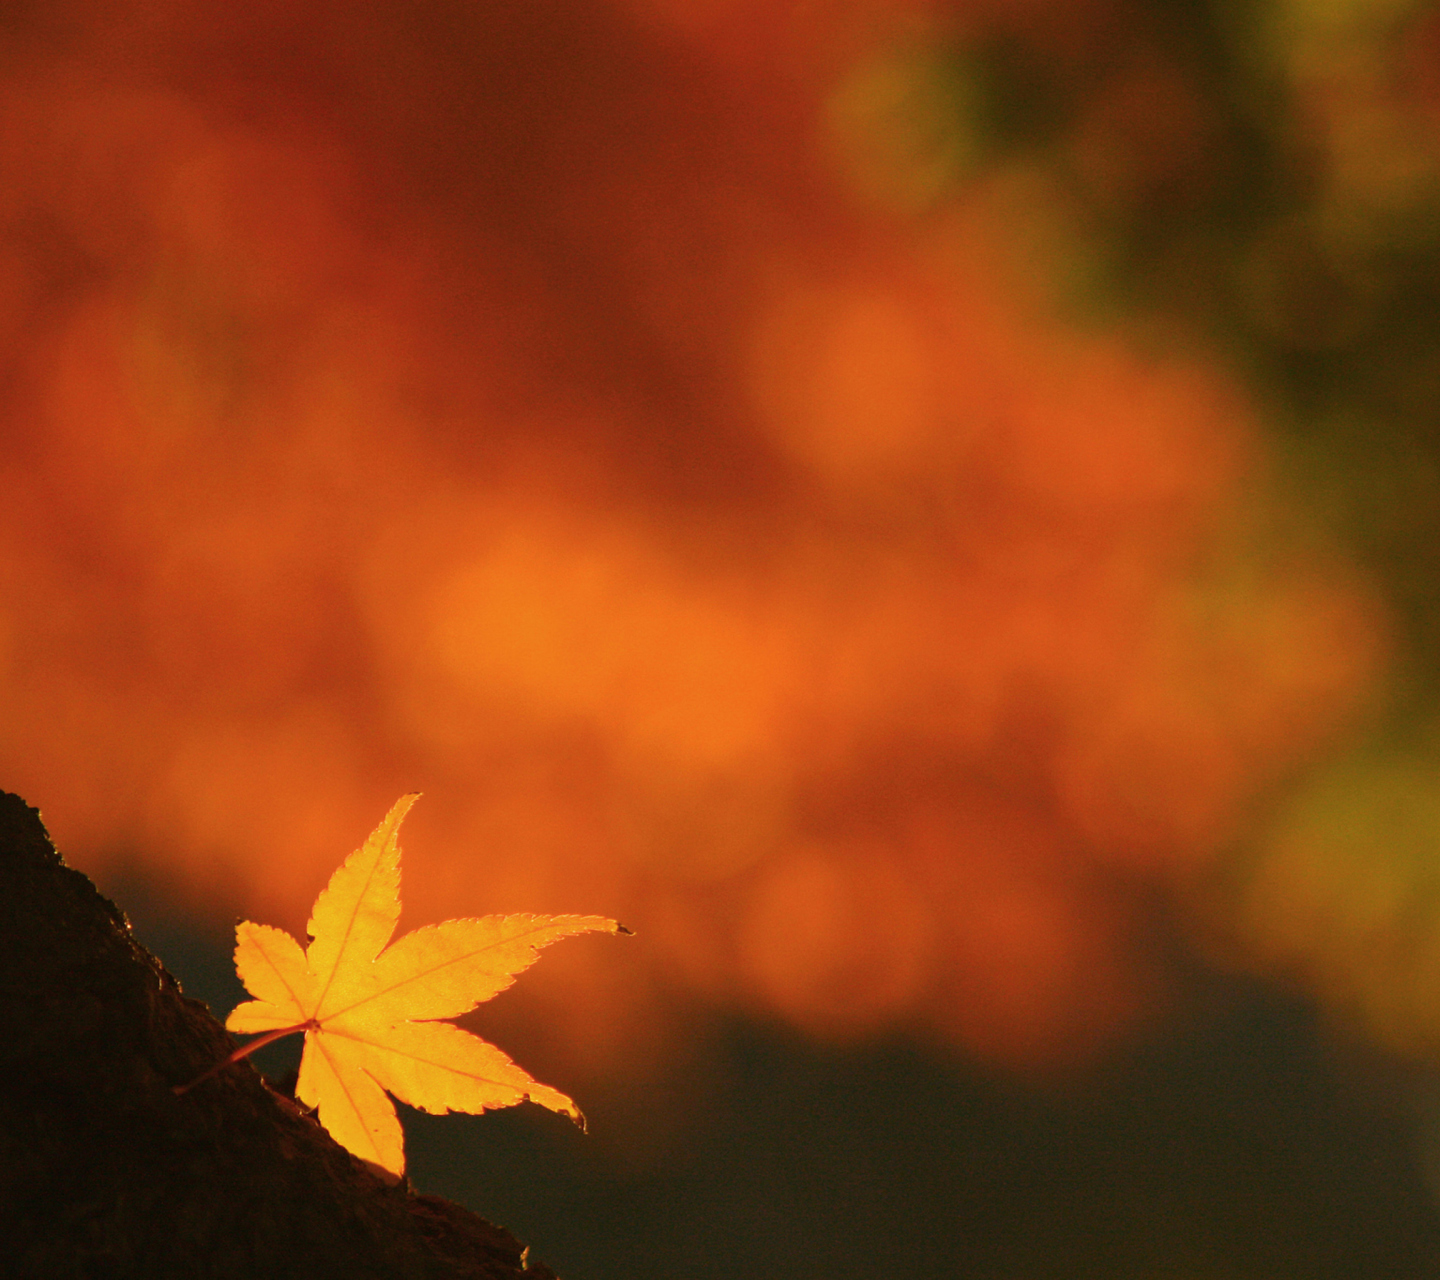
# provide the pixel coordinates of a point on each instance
(368, 1012)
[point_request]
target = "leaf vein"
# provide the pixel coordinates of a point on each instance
(284, 982)
(429, 1062)
(421, 974)
(349, 1097)
(349, 930)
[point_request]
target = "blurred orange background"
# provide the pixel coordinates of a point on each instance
(584, 414)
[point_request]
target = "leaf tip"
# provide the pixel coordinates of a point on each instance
(398, 811)
(563, 1105)
(390, 1177)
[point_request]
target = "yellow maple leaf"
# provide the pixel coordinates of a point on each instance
(368, 1012)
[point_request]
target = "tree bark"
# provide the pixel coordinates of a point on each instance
(105, 1172)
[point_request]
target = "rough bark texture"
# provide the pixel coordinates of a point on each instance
(104, 1172)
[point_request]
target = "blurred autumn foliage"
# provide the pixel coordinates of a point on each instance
(791, 477)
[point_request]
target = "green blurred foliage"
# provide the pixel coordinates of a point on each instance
(1264, 177)
(1345, 890)
(1259, 179)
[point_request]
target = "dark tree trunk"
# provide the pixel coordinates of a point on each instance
(105, 1172)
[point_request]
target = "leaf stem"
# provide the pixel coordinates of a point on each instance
(244, 1051)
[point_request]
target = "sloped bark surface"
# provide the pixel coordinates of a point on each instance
(105, 1172)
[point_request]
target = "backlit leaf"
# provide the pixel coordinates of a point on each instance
(367, 1011)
